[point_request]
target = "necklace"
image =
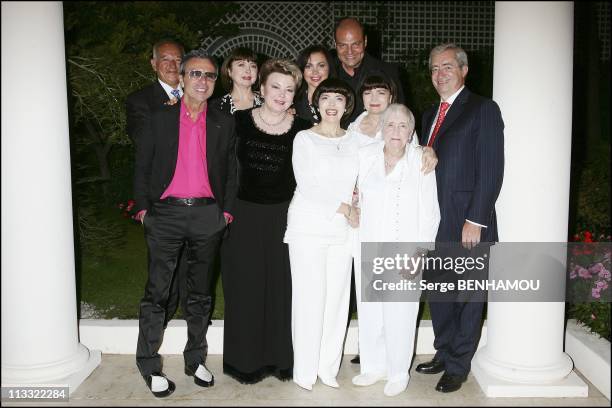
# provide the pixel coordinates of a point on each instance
(337, 144)
(270, 124)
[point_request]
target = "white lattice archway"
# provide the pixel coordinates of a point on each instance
(261, 41)
(276, 29)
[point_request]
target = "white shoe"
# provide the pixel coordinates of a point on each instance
(365, 379)
(393, 388)
(304, 386)
(203, 374)
(330, 382)
(159, 383)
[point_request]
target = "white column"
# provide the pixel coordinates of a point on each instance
(39, 317)
(532, 83)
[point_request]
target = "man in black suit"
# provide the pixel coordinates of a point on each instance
(166, 61)
(467, 134)
(185, 185)
(353, 64)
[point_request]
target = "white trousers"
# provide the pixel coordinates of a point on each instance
(321, 283)
(386, 334)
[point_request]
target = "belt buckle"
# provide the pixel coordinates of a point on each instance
(190, 201)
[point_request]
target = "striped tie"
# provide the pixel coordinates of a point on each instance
(176, 93)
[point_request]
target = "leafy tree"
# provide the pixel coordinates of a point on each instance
(108, 47)
(108, 50)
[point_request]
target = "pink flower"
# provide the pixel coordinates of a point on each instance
(573, 274)
(601, 285)
(595, 269)
(595, 293)
(583, 273)
(605, 274)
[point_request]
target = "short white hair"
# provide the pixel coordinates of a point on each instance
(398, 108)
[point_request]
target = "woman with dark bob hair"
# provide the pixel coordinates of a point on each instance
(315, 62)
(377, 93)
(238, 77)
(325, 164)
(254, 259)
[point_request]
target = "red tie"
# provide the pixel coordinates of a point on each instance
(443, 108)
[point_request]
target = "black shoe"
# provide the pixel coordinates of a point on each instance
(160, 394)
(431, 367)
(355, 360)
(190, 371)
(450, 383)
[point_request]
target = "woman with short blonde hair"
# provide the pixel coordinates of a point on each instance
(254, 259)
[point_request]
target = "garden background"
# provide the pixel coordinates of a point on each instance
(108, 47)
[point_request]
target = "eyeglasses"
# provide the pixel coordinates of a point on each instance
(199, 74)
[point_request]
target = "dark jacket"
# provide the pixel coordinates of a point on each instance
(157, 151)
(470, 171)
(139, 105)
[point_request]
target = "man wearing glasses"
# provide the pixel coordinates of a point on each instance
(185, 185)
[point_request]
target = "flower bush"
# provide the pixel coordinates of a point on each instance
(589, 280)
(126, 209)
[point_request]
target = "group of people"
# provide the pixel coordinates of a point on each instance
(284, 182)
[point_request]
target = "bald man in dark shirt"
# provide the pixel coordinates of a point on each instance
(353, 64)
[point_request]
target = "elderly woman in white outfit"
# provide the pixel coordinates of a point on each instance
(399, 203)
(378, 93)
(325, 164)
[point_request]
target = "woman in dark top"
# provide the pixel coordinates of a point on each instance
(315, 64)
(255, 261)
(238, 76)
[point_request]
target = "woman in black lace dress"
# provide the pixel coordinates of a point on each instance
(316, 65)
(255, 261)
(238, 76)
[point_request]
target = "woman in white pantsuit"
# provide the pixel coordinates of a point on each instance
(399, 203)
(325, 164)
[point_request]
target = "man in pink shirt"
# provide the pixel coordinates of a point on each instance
(185, 184)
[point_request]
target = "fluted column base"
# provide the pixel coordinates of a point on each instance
(498, 379)
(70, 372)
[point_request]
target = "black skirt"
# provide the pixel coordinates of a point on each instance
(257, 289)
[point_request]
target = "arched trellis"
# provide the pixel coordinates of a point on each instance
(261, 41)
(403, 26)
(276, 29)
